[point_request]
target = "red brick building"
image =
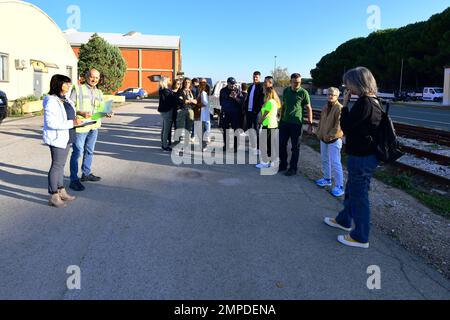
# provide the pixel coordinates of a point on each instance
(145, 55)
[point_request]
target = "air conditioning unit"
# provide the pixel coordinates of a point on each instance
(20, 64)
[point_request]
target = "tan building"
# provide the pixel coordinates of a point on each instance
(32, 49)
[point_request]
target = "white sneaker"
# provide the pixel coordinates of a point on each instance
(263, 165)
(332, 223)
(348, 241)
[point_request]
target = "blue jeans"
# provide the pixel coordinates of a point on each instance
(84, 146)
(356, 204)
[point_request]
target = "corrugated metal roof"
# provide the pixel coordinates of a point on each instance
(129, 40)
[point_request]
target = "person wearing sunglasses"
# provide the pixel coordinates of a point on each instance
(330, 135)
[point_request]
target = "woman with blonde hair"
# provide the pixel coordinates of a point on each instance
(360, 126)
(269, 122)
(330, 135)
(166, 109)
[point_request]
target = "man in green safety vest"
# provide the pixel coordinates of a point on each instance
(88, 99)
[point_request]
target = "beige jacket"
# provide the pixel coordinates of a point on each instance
(329, 126)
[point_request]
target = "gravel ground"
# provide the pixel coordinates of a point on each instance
(426, 165)
(426, 146)
(400, 216)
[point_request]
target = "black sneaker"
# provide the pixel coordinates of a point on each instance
(282, 170)
(90, 178)
(168, 149)
(290, 173)
(77, 186)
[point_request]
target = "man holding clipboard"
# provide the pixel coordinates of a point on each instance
(90, 109)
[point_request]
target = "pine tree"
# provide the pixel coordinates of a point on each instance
(107, 59)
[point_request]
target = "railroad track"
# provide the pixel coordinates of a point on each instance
(423, 134)
(440, 137)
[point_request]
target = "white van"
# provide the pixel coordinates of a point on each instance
(433, 94)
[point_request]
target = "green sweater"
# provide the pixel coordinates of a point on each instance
(294, 103)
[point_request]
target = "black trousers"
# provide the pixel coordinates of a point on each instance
(229, 119)
(267, 149)
(293, 132)
(252, 123)
(56, 172)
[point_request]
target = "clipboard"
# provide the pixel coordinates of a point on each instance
(85, 124)
(104, 110)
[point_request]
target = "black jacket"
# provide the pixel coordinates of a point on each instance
(360, 126)
(228, 103)
(166, 100)
(258, 99)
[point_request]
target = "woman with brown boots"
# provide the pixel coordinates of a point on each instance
(59, 134)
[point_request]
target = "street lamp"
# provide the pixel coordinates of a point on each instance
(275, 69)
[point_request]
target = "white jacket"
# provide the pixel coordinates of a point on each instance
(205, 115)
(56, 125)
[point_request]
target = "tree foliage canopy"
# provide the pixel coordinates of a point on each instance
(107, 59)
(424, 47)
(281, 77)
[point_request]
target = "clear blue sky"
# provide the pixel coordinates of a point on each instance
(234, 38)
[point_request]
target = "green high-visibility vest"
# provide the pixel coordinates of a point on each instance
(84, 103)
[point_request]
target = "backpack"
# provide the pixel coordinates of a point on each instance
(387, 145)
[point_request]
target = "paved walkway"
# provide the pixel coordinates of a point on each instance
(151, 230)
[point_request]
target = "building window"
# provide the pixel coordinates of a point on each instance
(69, 72)
(4, 63)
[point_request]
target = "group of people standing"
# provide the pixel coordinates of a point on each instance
(259, 107)
(264, 110)
(181, 104)
(69, 108)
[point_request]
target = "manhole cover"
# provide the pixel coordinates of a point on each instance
(191, 174)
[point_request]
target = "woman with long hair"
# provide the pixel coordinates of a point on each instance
(177, 101)
(185, 115)
(269, 122)
(203, 100)
(360, 126)
(166, 106)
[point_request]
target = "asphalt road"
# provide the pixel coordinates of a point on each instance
(153, 230)
(425, 116)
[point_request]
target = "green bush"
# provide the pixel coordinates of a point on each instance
(16, 109)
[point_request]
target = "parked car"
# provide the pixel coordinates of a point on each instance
(433, 94)
(3, 106)
(133, 93)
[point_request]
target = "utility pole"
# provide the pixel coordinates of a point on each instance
(275, 69)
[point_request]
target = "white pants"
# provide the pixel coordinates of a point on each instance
(331, 161)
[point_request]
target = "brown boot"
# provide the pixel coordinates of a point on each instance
(56, 201)
(65, 196)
